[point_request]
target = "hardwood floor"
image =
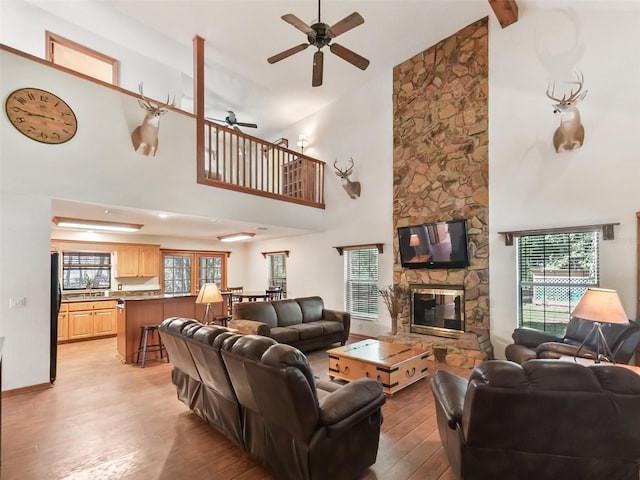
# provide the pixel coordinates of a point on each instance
(104, 420)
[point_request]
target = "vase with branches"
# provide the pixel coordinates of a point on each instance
(395, 297)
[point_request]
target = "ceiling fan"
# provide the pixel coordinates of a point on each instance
(232, 122)
(319, 35)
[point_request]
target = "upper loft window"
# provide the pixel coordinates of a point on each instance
(77, 57)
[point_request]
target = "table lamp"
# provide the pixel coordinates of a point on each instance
(599, 306)
(209, 294)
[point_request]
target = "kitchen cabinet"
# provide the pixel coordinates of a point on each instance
(137, 261)
(91, 319)
(63, 323)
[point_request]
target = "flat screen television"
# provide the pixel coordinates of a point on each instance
(434, 245)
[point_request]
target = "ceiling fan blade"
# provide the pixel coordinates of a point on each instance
(287, 53)
(316, 80)
(250, 125)
(352, 57)
(296, 22)
(346, 24)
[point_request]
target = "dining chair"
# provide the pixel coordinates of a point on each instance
(274, 293)
(233, 297)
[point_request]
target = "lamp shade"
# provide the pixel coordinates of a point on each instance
(414, 240)
(600, 305)
(209, 293)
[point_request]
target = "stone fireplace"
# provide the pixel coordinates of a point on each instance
(437, 310)
(441, 173)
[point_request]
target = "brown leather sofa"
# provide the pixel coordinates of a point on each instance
(540, 420)
(263, 396)
(301, 322)
(529, 343)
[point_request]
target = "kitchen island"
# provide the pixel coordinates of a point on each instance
(136, 312)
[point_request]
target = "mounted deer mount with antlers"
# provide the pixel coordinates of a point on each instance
(145, 136)
(570, 134)
(352, 188)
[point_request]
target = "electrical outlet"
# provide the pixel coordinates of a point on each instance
(15, 302)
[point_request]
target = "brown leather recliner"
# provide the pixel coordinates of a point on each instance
(300, 428)
(540, 420)
(623, 340)
(200, 375)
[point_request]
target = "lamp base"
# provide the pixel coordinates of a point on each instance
(596, 331)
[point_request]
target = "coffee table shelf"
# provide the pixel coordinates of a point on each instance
(394, 365)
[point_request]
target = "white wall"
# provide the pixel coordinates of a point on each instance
(532, 186)
(360, 126)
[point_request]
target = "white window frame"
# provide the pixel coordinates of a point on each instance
(360, 289)
(275, 280)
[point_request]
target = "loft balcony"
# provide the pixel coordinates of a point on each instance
(243, 163)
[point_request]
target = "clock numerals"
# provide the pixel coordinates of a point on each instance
(41, 115)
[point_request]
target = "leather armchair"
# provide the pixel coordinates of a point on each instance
(300, 428)
(543, 419)
(529, 344)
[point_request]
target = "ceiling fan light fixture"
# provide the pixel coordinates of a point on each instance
(81, 224)
(235, 237)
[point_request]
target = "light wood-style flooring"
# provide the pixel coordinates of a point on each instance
(104, 420)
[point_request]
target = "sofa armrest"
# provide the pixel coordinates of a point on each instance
(531, 338)
(351, 403)
(338, 316)
(449, 391)
(557, 349)
(250, 327)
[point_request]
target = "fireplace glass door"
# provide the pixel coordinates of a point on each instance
(437, 310)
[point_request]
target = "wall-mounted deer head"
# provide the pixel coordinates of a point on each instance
(145, 136)
(352, 188)
(570, 134)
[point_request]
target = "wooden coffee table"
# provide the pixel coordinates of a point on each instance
(394, 365)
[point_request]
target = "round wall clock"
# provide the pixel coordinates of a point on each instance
(41, 115)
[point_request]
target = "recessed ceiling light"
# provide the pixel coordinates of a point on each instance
(96, 225)
(163, 215)
(112, 211)
(234, 237)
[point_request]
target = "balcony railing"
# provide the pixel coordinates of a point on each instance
(240, 162)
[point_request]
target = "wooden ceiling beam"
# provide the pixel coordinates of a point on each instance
(506, 11)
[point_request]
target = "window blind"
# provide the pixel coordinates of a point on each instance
(554, 271)
(361, 282)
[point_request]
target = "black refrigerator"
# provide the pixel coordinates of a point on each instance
(56, 299)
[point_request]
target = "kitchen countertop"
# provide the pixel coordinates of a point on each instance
(125, 298)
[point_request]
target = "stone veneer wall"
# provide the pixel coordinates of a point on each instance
(440, 158)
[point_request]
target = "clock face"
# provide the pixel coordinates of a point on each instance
(41, 116)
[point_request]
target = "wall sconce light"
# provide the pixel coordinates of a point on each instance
(96, 225)
(234, 237)
(302, 142)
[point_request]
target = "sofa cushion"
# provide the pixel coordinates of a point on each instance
(284, 334)
(308, 330)
(330, 327)
(311, 308)
(288, 312)
(258, 311)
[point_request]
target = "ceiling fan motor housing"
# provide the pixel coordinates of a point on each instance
(320, 36)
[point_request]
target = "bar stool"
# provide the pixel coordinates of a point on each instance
(144, 347)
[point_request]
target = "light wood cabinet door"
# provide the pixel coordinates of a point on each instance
(104, 322)
(63, 326)
(127, 259)
(149, 261)
(80, 324)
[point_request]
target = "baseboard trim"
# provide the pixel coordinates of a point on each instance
(29, 389)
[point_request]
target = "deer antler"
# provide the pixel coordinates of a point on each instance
(148, 104)
(573, 95)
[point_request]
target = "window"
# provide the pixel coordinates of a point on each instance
(278, 272)
(185, 271)
(77, 57)
(177, 274)
(361, 282)
(554, 271)
(84, 270)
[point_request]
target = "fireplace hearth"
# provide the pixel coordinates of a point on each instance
(437, 310)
